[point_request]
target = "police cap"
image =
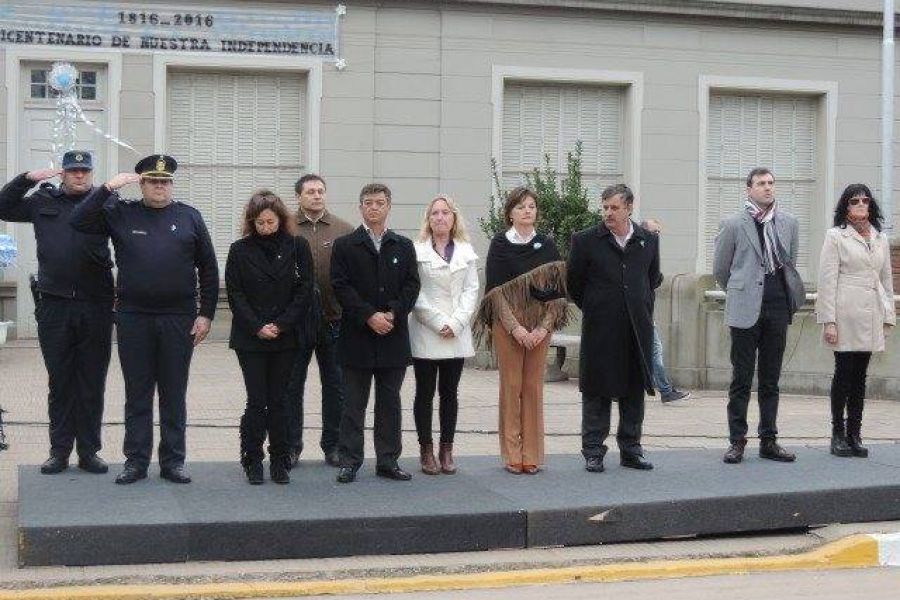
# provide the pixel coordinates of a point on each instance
(156, 166)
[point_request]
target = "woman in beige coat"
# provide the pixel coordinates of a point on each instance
(855, 305)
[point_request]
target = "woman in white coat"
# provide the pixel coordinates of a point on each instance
(440, 332)
(855, 305)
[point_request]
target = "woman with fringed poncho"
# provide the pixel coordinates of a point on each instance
(524, 302)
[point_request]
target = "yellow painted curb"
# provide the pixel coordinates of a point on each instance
(852, 552)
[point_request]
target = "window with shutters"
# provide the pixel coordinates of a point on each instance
(542, 118)
(232, 134)
(747, 131)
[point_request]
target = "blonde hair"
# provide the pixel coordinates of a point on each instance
(457, 232)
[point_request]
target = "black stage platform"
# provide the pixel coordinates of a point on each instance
(80, 519)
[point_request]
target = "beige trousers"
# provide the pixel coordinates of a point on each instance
(521, 398)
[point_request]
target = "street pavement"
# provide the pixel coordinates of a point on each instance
(215, 403)
(857, 584)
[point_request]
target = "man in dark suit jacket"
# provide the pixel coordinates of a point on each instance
(612, 272)
(376, 281)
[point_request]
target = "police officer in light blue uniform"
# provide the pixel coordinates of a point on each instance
(164, 253)
(73, 306)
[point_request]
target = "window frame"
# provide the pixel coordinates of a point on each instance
(827, 94)
(631, 81)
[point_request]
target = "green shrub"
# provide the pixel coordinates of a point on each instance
(562, 199)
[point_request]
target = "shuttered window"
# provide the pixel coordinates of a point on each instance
(778, 132)
(233, 134)
(544, 118)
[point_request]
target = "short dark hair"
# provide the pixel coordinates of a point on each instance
(260, 201)
(515, 197)
(757, 172)
(843, 206)
(298, 187)
(617, 189)
(370, 189)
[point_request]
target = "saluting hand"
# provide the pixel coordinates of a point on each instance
(121, 180)
(42, 174)
(200, 329)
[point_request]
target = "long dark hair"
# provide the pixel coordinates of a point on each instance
(843, 206)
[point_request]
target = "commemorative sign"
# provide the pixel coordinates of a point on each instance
(261, 29)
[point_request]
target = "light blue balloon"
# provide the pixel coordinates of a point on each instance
(64, 81)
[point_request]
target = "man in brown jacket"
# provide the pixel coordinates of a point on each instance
(320, 228)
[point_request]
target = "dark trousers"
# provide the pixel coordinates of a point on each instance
(444, 374)
(155, 352)
(388, 441)
(332, 389)
(848, 391)
(76, 339)
(595, 419)
(767, 338)
(266, 377)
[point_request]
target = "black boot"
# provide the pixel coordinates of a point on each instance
(839, 446)
(735, 453)
(254, 471)
(278, 469)
(769, 449)
(856, 447)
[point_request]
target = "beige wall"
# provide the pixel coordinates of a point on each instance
(414, 106)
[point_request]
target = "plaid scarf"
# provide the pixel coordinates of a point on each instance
(771, 256)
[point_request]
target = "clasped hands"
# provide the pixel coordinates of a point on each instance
(269, 331)
(381, 323)
(529, 339)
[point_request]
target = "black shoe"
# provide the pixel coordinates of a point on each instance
(346, 475)
(594, 464)
(635, 461)
(93, 464)
(130, 475)
(293, 458)
(735, 452)
(278, 470)
(175, 474)
(770, 450)
(839, 446)
(333, 457)
(254, 471)
(395, 473)
(856, 446)
(54, 464)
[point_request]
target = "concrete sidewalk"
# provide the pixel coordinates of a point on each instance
(216, 402)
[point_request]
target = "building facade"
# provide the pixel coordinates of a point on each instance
(678, 99)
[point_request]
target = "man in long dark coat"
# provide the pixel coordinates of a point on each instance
(375, 278)
(613, 270)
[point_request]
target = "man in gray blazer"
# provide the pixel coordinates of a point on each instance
(756, 250)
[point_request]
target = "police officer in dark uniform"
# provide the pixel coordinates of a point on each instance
(73, 306)
(164, 251)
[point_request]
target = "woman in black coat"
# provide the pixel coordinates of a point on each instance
(269, 279)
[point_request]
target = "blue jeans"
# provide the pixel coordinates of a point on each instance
(660, 379)
(332, 389)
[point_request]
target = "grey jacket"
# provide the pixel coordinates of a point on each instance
(739, 270)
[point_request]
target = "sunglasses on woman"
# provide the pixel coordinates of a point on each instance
(864, 199)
